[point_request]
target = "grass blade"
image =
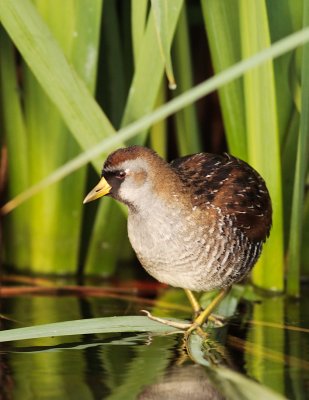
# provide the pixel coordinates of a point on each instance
(225, 48)
(161, 11)
(293, 275)
(148, 68)
(138, 25)
(86, 326)
(158, 132)
(187, 130)
(263, 136)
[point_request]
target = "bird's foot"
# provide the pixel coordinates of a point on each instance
(174, 324)
(200, 320)
(187, 327)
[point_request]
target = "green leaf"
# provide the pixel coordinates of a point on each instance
(188, 135)
(293, 276)
(263, 135)
(158, 132)
(86, 326)
(161, 11)
(225, 48)
(149, 67)
(138, 25)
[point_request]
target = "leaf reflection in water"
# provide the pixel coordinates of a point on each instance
(233, 385)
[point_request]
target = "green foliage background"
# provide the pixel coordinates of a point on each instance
(99, 66)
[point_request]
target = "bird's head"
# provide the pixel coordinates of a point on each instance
(132, 175)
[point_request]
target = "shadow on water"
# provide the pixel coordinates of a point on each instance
(268, 342)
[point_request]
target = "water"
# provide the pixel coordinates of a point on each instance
(267, 341)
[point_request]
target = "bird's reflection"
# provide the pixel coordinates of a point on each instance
(187, 380)
(182, 382)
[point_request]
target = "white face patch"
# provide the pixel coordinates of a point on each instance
(134, 192)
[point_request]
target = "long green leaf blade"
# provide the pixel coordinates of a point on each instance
(293, 276)
(86, 326)
(161, 11)
(263, 136)
(225, 47)
(188, 138)
(138, 25)
(148, 68)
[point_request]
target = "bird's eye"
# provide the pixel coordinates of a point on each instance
(120, 174)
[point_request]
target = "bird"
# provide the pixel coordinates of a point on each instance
(197, 223)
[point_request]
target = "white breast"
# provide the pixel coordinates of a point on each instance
(168, 244)
(176, 249)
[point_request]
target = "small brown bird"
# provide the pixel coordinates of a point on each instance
(198, 223)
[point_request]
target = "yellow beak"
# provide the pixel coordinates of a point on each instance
(98, 191)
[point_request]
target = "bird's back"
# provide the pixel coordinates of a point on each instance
(231, 185)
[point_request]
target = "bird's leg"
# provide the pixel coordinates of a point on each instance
(202, 315)
(205, 314)
(194, 303)
(198, 309)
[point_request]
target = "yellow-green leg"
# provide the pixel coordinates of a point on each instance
(204, 315)
(194, 303)
(198, 309)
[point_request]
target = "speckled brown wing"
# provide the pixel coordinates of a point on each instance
(233, 186)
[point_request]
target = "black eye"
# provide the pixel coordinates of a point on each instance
(120, 175)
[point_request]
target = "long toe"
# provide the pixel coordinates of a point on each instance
(174, 324)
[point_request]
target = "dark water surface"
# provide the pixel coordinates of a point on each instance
(267, 341)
